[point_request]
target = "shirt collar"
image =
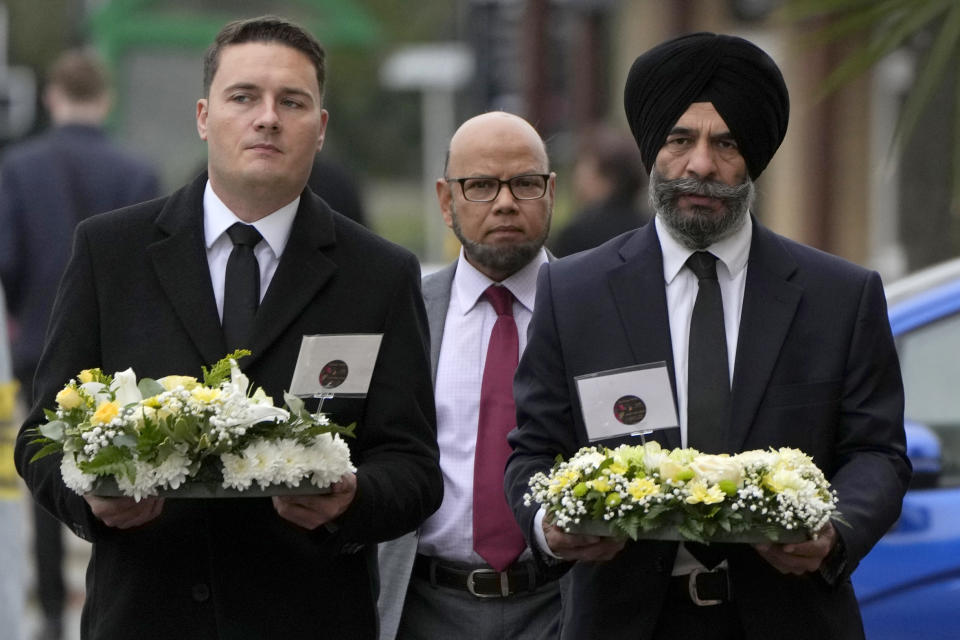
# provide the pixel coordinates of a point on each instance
(274, 227)
(733, 251)
(469, 283)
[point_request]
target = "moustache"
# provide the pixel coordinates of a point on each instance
(706, 188)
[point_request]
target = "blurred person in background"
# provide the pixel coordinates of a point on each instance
(466, 573)
(11, 507)
(609, 185)
(334, 183)
(47, 185)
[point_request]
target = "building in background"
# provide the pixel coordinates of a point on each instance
(561, 65)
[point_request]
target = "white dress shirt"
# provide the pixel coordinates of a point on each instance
(448, 533)
(275, 229)
(681, 283)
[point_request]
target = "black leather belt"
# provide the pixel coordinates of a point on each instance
(702, 588)
(484, 582)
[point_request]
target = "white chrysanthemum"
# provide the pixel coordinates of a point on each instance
(173, 471)
(143, 484)
(237, 471)
(73, 477)
(291, 463)
(329, 459)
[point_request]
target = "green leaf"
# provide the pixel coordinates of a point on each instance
(149, 387)
(49, 449)
(125, 440)
(630, 525)
(220, 371)
(931, 71)
(691, 530)
(889, 24)
(110, 461)
(184, 430)
(53, 430)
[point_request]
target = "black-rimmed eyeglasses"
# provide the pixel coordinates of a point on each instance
(526, 187)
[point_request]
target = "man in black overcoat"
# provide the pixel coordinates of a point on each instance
(145, 289)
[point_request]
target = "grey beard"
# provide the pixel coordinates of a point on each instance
(700, 228)
(506, 259)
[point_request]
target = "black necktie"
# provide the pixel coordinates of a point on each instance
(708, 377)
(241, 289)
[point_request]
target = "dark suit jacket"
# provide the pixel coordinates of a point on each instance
(137, 293)
(815, 369)
(47, 186)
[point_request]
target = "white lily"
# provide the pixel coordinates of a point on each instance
(124, 387)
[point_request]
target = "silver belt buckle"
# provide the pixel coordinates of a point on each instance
(504, 584)
(694, 594)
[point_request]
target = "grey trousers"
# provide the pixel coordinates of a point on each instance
(439, 613)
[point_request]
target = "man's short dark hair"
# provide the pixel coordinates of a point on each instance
(266, 29)
(80, 75)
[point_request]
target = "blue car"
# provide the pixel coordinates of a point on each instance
(909, 584)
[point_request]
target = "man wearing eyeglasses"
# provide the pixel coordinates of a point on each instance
(467, 572)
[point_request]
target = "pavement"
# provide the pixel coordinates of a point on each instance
(77, 555)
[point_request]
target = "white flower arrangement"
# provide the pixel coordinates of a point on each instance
(649, 492)
(153, 436)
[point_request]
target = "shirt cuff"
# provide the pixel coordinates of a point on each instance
(540, 536)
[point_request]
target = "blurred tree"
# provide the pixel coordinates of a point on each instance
(887, 25)
(373, 128)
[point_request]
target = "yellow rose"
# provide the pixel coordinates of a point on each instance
(87, 375)
(172, 382)
(700, 492)
(205, 395)
(69, 398)
(105, 413)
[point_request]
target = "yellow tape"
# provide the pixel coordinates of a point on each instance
(8, 399)
(9, 482)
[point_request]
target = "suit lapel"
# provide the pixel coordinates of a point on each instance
(769, 305)
(302, 272)
(180, 263)
(436, 299)
(640, 297)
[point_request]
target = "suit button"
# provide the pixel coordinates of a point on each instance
(201, 592)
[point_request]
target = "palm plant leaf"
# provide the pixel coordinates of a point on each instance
(888, 24)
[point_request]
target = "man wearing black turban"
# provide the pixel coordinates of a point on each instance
(800, 342)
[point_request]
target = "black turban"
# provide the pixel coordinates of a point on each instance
(743, 83)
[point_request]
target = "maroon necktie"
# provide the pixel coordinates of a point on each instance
(496, 535)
